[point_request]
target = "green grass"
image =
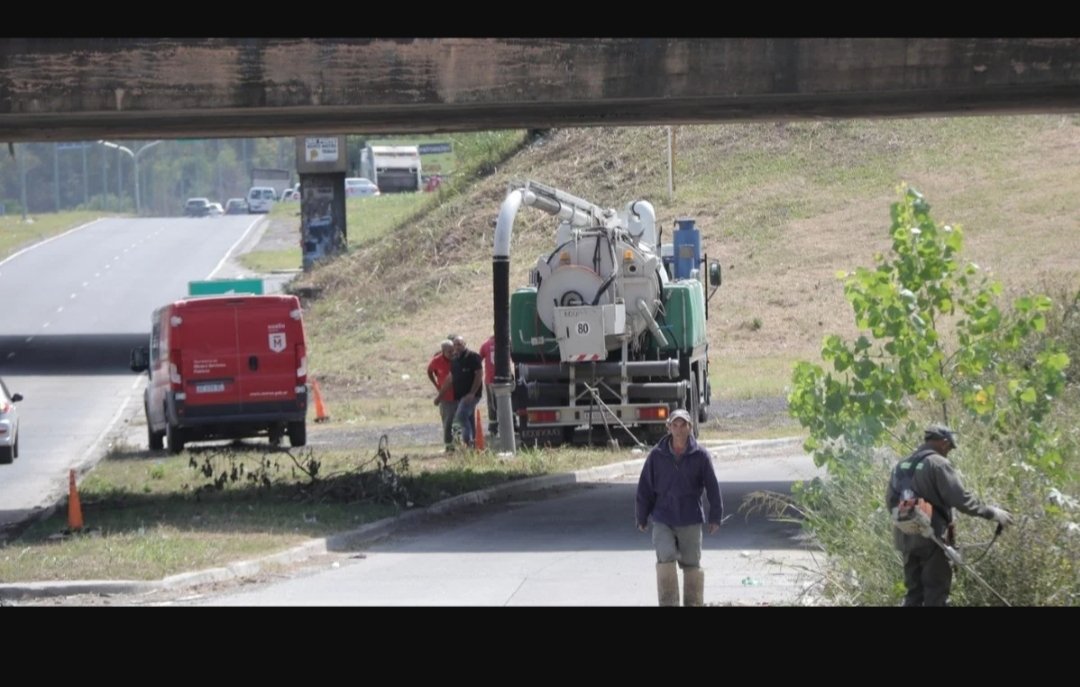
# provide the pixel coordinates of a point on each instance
(372, 217)
(262, 261)
(750, 378)
(148, 517)
(16, 234)
(763, 193)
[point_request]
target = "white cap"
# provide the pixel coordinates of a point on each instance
(680, 413)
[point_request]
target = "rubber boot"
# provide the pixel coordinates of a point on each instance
(667, 583)
(693, 587)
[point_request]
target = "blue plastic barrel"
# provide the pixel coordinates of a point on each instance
(687, 248)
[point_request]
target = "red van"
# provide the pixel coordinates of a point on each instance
(225, 367)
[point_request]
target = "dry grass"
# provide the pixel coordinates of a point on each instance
(783, 206)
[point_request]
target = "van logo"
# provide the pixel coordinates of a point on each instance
(277, 342)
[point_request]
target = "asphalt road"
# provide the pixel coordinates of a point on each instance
(74, 307)
(578, 547)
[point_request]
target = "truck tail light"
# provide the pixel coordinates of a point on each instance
(653, 413)
(543, 416)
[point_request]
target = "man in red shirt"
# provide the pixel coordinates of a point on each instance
(487, 352)
(438, 371)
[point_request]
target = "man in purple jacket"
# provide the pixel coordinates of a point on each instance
(672, 480)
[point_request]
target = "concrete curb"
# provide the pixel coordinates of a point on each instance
(367, 533)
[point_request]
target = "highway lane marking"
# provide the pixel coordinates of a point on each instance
(229, 254)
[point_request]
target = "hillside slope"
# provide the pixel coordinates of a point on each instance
(784, 206)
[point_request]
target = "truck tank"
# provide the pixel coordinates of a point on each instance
(604, 342)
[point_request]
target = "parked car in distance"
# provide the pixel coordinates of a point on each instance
(9, 425)
(236, 206)
(197, 207)
(261, 199)
(360, 187)
(290, 194)
(215, 210)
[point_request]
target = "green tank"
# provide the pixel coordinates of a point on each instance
(684, 315)
(525, 325)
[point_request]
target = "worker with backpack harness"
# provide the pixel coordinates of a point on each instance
(922, 493)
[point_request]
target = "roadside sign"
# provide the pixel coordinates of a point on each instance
(435, 148)
(321, 149)
(223, 287)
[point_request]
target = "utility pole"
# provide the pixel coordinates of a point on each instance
(56, 175)
(85, 177)
(22, 178)
(670, 164)
(119, 171)
(134, 155)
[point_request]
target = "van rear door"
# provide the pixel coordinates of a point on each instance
(208, 355)
(268, 336)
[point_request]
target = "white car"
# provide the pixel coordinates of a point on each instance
(9, 424)
(215, 210)
(359, 187)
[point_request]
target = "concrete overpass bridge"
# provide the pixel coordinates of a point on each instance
(57, 89)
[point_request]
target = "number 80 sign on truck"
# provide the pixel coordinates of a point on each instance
(225, 367)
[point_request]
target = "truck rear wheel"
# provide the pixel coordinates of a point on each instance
(297, 433)
(703, 412)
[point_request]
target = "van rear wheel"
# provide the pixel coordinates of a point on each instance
(297, 433)
(155, 439)
(175, 436)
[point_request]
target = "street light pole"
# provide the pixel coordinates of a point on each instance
(135, 164)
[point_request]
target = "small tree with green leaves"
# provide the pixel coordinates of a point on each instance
(935, 345)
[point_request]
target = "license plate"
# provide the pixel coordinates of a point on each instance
(210, 388)
(540, 433)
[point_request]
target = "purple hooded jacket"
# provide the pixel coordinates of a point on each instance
(671, 491)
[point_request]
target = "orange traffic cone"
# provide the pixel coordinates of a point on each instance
(479, 432)
(75, 521)
(320, 409)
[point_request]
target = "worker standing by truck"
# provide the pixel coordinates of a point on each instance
(468, 373)
(487, 353)
(439, 372)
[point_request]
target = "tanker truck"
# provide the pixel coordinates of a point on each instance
(609, 335)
